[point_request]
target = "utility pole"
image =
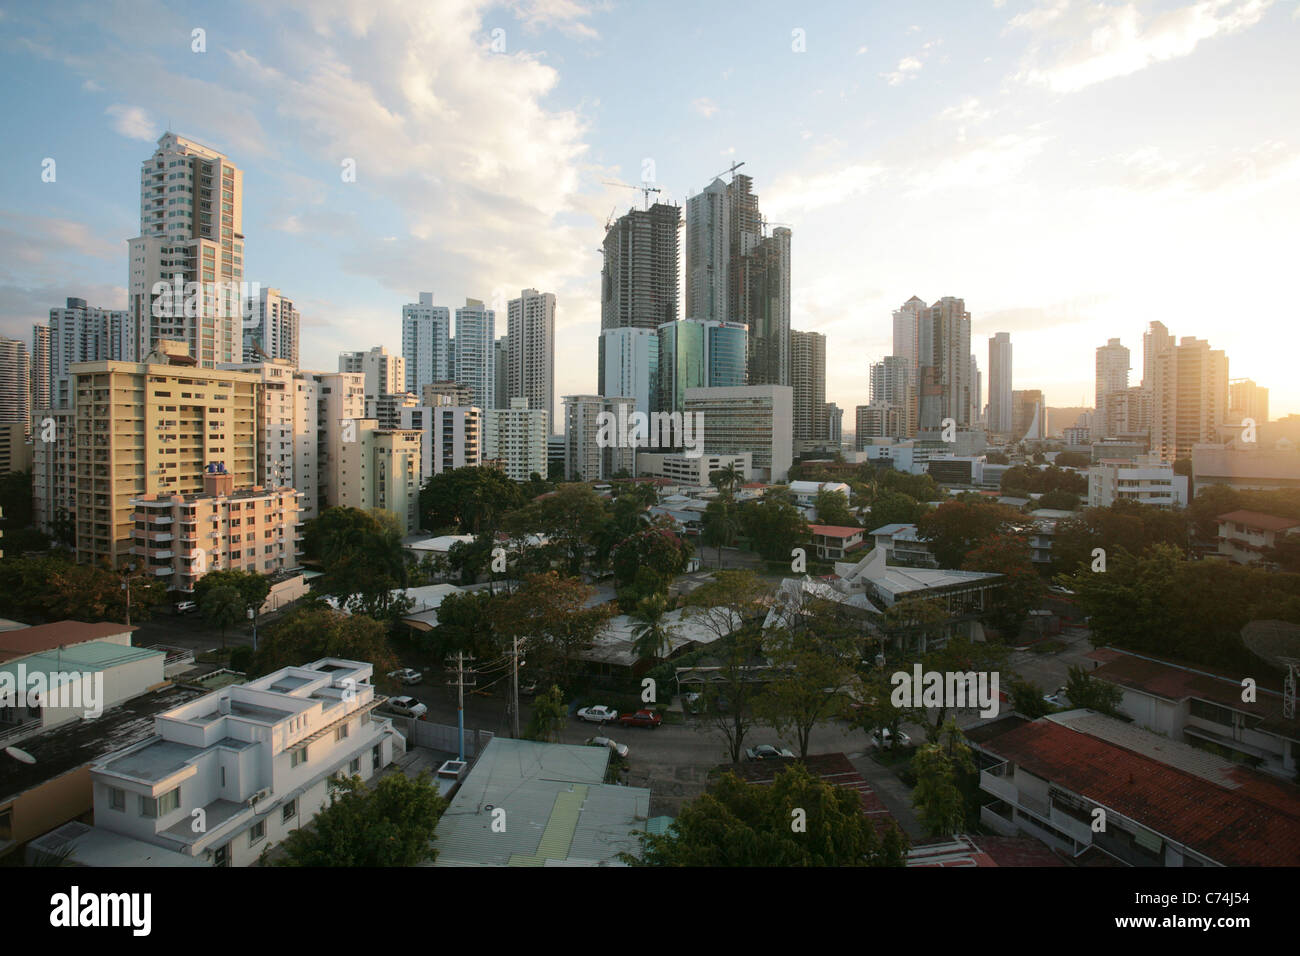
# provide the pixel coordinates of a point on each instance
(514, 686)
(460, 701)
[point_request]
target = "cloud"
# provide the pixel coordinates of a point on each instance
(704, 106)
(791, 196)
(906, 66)
(1076, 46)
(133, 122)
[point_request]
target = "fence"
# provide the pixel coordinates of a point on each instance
(421, 733)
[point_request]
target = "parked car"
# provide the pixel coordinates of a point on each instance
(406, 675)
(767, 752)
(407, 707)
(187, 607)
(642, 718)
(1058, 589)
(883, 738)
(598, 714)
(620, 749)
(529, 688)
(1057, 697)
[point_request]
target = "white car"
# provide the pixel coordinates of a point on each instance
(406, 675)
(407, 707)
(883, 738)
(620, 749)
(598, 714)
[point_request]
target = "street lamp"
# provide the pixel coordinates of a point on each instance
(126, 586)
(252, 616)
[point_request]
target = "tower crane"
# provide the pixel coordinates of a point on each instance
(645, 190)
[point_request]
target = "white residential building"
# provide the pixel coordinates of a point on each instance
(476, 351)
(252, 762)
(191, 231)
(385, 374)
(1146, 480)
(516, 437)
(380, 468)
(629, 365)
(81, 333)
(530, 351)
(426, 342)
(452, 436)
(586, 456)
(1000, 379)
(271, 330)
(758, 419)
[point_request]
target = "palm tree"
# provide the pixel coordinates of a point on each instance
(650, 635)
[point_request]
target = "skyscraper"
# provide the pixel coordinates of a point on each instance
(191, 232)
(891, 387)
(531, 350)
(943, 357)
(271, 331)
(976, 392)
(698, 353)
(81, 333)
(40, 367)
(1155, 339)
(639, 280)
(1000, 382)
(475, 342)
(1190, 400)
(1112, 378)
(629, 366)
(763, 283)
(708, 251)
(426, 342)
(808, 379)
(385, 373)
(501, 360)
(1245, 400)
(906, 320)
(1028, 415)
(15, 383)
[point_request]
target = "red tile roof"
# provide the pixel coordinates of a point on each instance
(46, 637)
(834, 530)
(1256, 823)
(835, 768)
(1258, 519)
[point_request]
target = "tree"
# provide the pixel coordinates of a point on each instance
(894, 507)
(1059, 500)
(549, 612)
(721, 523)
(468, 500)
(550, 714)
(833, 509)
(393, 824)
(938, 798)
(727, 479)
(775, 526)
(735, 823)
(909, 626)
(1021, 588)
(1084, 690)
(253, 588)
(1070, 459)
(362, 560)
(956, 528)
(650, 635)
(1027, 699)
(656, 549)
(15, 501)
(55, 589)
(731, 606)
(311, 632)
(571, 518)
(812, 653)
(222, 606)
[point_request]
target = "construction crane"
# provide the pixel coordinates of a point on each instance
(645, 191)
(730, 169)
(765, 222)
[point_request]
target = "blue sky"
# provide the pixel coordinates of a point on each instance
(1073, 170)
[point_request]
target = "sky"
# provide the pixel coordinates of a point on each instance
(1072, 170)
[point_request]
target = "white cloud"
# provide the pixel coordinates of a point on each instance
(907, 66)
(1077, 46)
(704, 106)
(789, 197)
(133, 122)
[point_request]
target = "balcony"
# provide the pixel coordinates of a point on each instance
(162, 572)
(1001, 787)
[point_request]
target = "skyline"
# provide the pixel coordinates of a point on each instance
(945, 168)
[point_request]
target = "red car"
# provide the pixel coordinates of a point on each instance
(642, 718)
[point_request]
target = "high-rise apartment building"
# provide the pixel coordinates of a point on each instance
(385, 373)
(1112, 378)
(698, 353)
(588, 456)
(629, 365)
(1000, 384)
(475, 344)
(708, 253)
(1190, 400)
(81, 333)
(834, 424)
(892, 385)
(271, 328)
(638, 283)
(426, 342)
(763, 281)
(15, 383)
(191, 238)
(808, 380)
(327, 409)
(1028, 415)
(452, 436)
(516, 437)
(976, 393)
(1155, 340)
(501, 360)
(446, 393)
(1246, 400)
(943, 357)
(531, 350)
(40, 376)
(380, 468)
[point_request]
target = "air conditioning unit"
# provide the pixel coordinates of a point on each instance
(260, 795)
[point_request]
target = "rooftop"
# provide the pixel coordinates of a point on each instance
(834, 530)
(1258, 519)
(1241, 818)
(46, 637)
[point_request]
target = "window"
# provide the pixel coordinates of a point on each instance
(341, 732)
(298, 756)
(376, 756)
(257, 832)
(355, 766)
(290, 811)
(160, 806)
(116, 799)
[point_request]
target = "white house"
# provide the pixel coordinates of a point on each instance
(234, 772)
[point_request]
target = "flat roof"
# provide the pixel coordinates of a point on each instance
(558, 808)
(92, 656)
(1244, 819)
(45, 637)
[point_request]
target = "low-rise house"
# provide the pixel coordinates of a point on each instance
(903, 545)
(835, 542)
(1245, 536)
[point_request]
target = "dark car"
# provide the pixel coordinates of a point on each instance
(767, 752)
(642, 718)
